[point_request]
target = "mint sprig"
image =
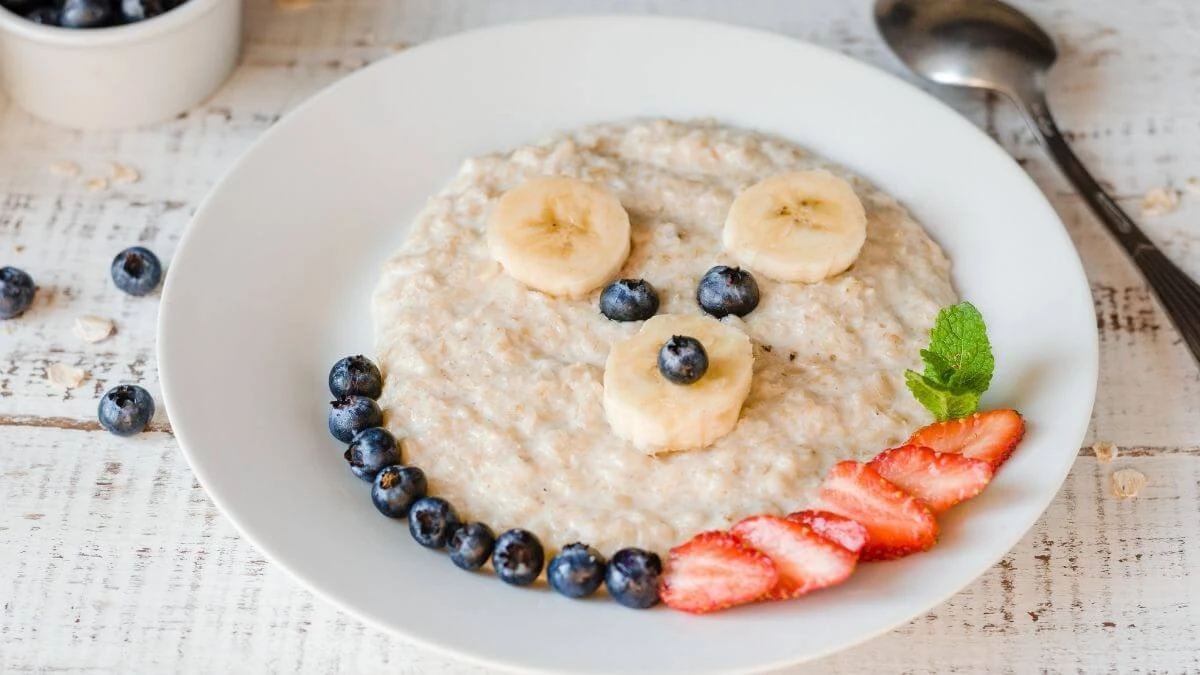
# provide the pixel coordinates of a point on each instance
(958, 364)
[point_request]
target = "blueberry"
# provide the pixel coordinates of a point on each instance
(629, 300)
(16, 292)
(471, 545)
(47, 16)
(727, 290)
(431, 521)
(355, 375)
(518, 557)
(91, 14)
(370, 451)
(682, 360)
(577, 571)
(396, 488)
(135, 270)
(349, 415)
(126, 409)
(139, 10)
(632, 577)
(21, 6)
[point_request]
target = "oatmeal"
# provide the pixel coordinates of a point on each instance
(497, 389)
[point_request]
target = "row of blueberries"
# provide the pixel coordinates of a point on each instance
(125, 409)
(517, 555)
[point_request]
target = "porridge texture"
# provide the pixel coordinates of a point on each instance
(497, 390)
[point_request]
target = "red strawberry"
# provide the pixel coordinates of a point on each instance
(939, 479)
(806, 561)
(847, 533)
(990, 436)
(897, 524)
(715, 570)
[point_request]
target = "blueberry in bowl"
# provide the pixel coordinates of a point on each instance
(518, 557)
(355, 375)
(89, 13)
(471, 545)
(370, 451)
(577, 571)
(396, 488)
(431, 521)
(349, 415)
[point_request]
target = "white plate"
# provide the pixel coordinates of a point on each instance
(271, 284)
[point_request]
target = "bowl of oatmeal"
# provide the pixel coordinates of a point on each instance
(372, 205)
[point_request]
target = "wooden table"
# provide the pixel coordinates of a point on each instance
(112, 558)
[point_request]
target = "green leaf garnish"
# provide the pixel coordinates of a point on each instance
(958, 364)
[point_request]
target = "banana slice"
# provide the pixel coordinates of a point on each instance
(559, 235)
(646, 409)
(802, 226)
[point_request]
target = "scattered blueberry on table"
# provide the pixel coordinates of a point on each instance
(396, 488)
(355, 375)
(471, 545)
(682, 360)
(577, 571)
(431, 521)
(370, 451)
(629, 300)
(16, 292)
(349, 415)
(518, 557)
(727, 290)
(126, 409)
(136, 270)
(632, 577)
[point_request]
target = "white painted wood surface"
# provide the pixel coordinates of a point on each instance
(112, 559)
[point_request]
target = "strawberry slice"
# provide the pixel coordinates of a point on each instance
(991, 436)
(715, 570)
(897, 524)
(805, 560)
(939, 479)
(848, 534)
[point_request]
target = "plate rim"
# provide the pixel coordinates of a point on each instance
(168, 387)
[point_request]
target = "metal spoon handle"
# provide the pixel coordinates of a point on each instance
(1176, 291)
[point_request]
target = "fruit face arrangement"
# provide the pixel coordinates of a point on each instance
(89, 13)
(567, 238)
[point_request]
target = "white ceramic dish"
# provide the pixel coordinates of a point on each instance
(272, 283)
(122, 76)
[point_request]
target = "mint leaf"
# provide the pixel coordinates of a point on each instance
(943, 403)
(958, 364)
(959, 339)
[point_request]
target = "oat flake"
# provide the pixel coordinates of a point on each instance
(96, 184)
(66, 376)
(1159, 201)
(65, 168)
(1192, 185)
(92, 328)
(1105, 451)
(1128, 482)
(124, 173)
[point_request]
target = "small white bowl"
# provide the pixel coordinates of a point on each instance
(121, 76)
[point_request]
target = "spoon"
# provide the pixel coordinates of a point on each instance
(986, 44)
